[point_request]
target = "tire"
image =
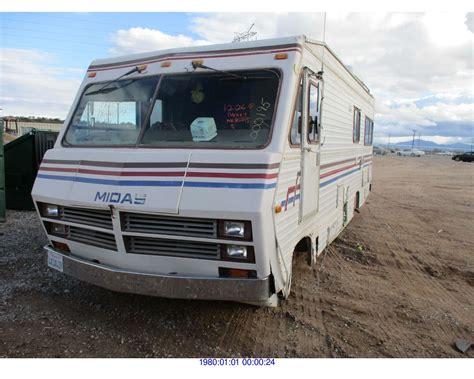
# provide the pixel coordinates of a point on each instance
(457, 159)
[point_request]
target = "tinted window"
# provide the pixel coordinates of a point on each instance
(313, 112)
(356, 126)
(213, 110)
(368, 131)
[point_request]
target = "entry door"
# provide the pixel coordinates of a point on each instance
(310, 146)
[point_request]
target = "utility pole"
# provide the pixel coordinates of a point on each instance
(388, 141)
(413, 141)
(419, 136)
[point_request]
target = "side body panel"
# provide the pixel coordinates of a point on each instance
(345, 166)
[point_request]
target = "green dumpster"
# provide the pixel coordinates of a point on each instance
(23, 157)
(2, 176)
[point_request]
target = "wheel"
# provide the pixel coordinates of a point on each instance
(457, 159)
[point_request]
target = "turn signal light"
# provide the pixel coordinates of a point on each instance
(61, 246)
(277, 208)
(166, 64)
(226, 272)
(91, 74)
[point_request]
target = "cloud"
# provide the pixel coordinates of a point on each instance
(30, 84)
(470, 21)
(418, 66)
(404, 58)
(137, 40)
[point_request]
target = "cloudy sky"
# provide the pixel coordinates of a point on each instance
(419, 66)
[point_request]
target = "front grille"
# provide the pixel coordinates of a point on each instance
(91, 237)
(178, 226)
(175, 248)
(92, 217)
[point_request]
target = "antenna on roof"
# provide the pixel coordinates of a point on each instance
(324, 45)
(245, 36)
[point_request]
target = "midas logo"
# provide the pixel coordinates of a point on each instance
(120, 198)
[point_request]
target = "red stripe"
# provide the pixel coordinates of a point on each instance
(191, 57)
(336, 171)
(113, 173)
(336, 163)
(161, 173)
(292, 188)
(193, 174)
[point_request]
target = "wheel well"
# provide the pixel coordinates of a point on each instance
(303, 247)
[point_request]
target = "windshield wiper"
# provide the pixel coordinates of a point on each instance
(200, 65)
(102, 89)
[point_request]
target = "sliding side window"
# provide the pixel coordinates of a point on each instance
(368, 131)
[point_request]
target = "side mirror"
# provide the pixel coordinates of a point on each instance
(300, 122)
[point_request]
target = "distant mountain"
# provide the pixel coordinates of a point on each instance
(428, 145)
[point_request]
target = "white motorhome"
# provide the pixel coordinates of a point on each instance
(193, 173)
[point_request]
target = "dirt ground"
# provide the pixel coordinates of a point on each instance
(398, 282)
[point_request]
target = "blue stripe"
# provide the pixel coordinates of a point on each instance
(160, 183)
(338, 177)
(112, 182)
(290, 200)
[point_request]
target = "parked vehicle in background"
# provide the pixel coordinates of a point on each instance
(411, 153)
(445, 153)
(465, 157)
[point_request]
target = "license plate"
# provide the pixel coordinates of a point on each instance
(55, 261)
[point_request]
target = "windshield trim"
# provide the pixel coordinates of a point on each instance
(137, 145)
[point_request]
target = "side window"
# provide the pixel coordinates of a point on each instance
(368, 131)
(313, 105)
(156, 116)
(295, 135)
(356, 126)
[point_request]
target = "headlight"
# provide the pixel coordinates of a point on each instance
(230, 229)
(49, 210)
(238, 253)
(234, 229)
(58, 229)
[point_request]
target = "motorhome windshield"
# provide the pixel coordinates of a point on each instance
(193, 110)
(111, 115)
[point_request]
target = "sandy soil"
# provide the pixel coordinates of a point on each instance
(398, 282)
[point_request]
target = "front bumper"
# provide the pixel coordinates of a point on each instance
(254, 291)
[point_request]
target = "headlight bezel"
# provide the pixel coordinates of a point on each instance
(247, 233)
